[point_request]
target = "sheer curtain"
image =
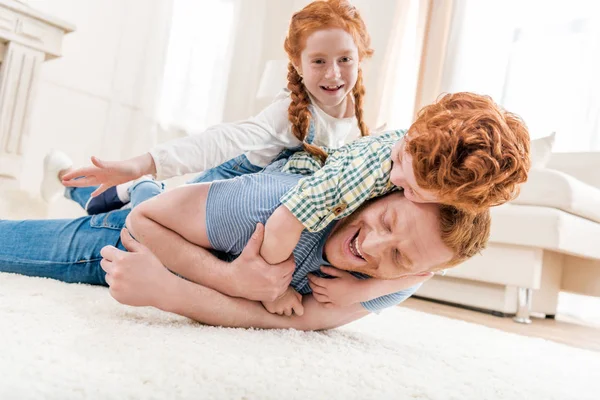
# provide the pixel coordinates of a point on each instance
(416, 62)
(552, 74)
(197, 64)
(538, 59)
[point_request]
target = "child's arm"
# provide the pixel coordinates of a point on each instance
(351, 175)
(290, 302)
(282, 232)
(346, 289)
(110, 173)
(194, 152)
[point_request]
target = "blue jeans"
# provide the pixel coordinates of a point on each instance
(145, 190)
(80, 195)
(138, 193)
(63, 249)
(229, 169)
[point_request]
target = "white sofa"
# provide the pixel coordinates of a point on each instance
(545, 241)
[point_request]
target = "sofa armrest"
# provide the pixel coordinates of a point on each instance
(583, 166)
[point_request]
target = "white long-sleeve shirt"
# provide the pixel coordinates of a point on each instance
(261, 138)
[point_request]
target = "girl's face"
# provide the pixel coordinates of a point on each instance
(403, 175)
(329, 68)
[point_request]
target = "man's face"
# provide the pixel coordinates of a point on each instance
(388, 238)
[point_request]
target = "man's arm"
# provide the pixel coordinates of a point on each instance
(249, 276)
(138, 278)
(214, 308)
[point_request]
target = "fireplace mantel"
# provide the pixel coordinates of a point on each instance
(27, 39)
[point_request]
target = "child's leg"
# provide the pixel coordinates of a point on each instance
(230, 169)
(79, 195)
(117, 197)
(143, 190)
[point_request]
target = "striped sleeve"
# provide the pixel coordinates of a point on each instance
(390, 300)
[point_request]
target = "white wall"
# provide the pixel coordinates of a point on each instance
(99, 98)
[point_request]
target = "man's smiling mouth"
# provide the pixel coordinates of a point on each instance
(354, 247)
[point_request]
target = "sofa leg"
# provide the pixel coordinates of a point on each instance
(523, 305)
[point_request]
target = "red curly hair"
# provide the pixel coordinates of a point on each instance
(316, 16)
(465, 233)
(470, 151)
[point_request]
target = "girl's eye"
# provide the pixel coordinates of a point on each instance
(319, 61)
(345, 59)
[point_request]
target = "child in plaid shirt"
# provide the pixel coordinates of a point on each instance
(462, 151)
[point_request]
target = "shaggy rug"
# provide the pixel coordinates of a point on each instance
(60, 341)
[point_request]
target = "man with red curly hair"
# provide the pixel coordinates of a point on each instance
(463, 151)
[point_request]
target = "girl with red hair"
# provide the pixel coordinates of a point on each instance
(323, 107)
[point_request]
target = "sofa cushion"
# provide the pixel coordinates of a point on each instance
(551, 188)
(547, 228)
(541, 150)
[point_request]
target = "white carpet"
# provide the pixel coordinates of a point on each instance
(60, 341)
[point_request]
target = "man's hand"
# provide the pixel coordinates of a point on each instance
(343, 290)
(287, 304)
(137, 277)
(109, 173)
(253, 278)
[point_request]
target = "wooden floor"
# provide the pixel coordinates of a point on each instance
(562, 330)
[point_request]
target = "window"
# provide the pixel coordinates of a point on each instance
(538, 59)
(197, 64)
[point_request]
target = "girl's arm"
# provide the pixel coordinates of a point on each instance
(195, 152)
(109, 173)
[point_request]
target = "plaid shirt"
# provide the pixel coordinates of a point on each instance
(351, 175)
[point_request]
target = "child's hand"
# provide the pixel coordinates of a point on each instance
(109, 173)
(290, 301)
(342, 291)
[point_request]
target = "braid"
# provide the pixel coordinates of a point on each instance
(359, 93)
(299, 114)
